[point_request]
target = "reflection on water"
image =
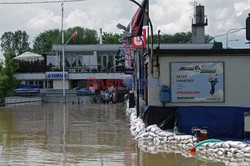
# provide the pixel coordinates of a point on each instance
(89, 134)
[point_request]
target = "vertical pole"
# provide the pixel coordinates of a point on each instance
(138, 84)
(148, 27)
(63, 58)
(139, 78)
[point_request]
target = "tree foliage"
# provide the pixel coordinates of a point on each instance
(85, 36)
(179, 38)
(15, 43)
(7, 81)
(44, 41)
(111, 38)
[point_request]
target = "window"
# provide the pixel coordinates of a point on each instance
(79, 61)
(104, 60)
(99, 59)
(50, 84)
(41, 84)
(74, 61)
(68, 61)
(111, 59)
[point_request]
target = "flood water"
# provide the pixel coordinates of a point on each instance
(85, 134)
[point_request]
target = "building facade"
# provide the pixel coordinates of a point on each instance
(81, 63)
(208, 77)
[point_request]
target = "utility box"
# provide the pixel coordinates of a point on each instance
(165, 94)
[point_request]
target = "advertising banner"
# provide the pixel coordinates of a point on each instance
(129, 68)
(139, 41)
(197, 82)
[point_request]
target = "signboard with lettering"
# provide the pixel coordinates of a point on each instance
(197, 82)
(140, 41)
(56, 75)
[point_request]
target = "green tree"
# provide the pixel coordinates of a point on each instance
(7, 81)
(43, 42)
(208, 38)
(111, 38)
(84, 36)
(180, 37)
(15, 43)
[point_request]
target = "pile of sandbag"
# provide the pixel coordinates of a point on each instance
(157, 136)
(154, 140)
(227, 148)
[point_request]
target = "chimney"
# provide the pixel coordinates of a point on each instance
(100, 35)
(198, 25)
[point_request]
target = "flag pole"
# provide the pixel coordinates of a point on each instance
(148, 24)
(63, 46)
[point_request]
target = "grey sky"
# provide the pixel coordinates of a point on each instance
(170, 16)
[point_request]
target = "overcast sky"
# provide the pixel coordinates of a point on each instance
(170, 16)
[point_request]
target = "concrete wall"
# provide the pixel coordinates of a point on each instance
(69, 99)
(236, 82)
(30, 76)
(198, 34)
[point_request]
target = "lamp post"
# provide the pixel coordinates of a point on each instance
(231, 41)
(234, 30)
(73, 36)
(63, 46)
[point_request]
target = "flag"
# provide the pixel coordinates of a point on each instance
(128, 55)
(139, 20)
(74, 35)
(135, 27)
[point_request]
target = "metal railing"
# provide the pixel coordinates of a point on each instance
(79, 69)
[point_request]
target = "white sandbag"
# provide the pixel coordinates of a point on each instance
(246, 150)
(246, 155)
(220, 153)
(225, 145)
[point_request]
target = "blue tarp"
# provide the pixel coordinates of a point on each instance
(221, 122)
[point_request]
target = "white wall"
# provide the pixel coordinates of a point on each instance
(30, 76)
(58, 84)
(236, 82)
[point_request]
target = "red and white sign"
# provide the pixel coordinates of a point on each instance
(137, 42)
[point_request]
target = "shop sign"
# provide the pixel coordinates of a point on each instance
(197, 82)
(56, 75)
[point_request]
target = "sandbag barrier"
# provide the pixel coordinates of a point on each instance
(153, 140)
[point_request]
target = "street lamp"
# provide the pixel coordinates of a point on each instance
(234, 30)
(64, 98)
(73, 36)
(232, 41)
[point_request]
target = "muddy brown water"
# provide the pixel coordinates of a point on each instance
(85, 134)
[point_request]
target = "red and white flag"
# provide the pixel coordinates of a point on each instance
(74, 35)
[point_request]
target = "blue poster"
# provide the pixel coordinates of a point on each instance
(197, 82)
